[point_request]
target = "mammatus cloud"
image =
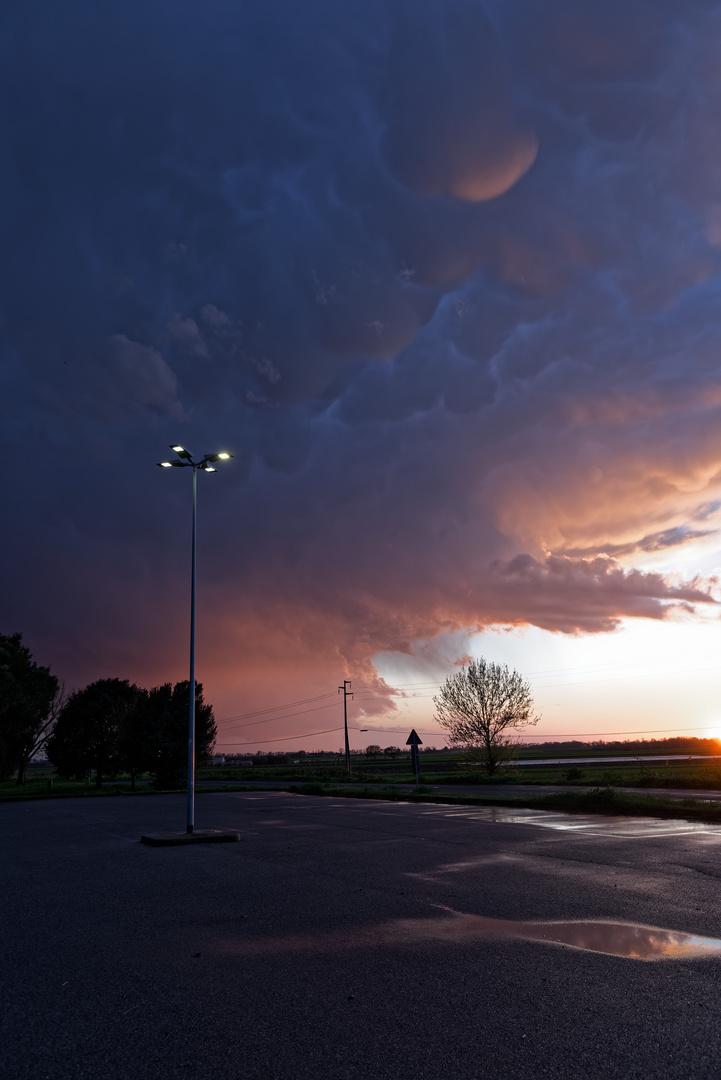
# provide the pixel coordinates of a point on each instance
(444, 276)
(452, 128)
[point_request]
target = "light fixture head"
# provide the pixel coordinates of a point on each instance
(180, 450)
(165, 464)
(224, 456)
(209, 468)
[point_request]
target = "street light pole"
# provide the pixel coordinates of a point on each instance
(191, 682)
(205, 464)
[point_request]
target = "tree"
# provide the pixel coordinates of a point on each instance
(29, 701)
(167, 732)
(392, 752)
(88, 729)
(130, 719)
(373, 751)
(479, 704)
(37, 733)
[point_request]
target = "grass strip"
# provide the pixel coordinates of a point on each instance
(596, 801)
(635, 775)
(112, 792)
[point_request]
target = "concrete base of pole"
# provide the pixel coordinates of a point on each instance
(200, 836)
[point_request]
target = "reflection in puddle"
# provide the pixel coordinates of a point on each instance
(616, 939)
(588, 824)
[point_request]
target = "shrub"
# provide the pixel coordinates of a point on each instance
(646, 778)
(601, 795)
(574, 773)
(313, 788)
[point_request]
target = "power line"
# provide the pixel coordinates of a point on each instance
(274, 708)
(390, 690)
(416, 693)
(560, 735)
(536, 735)
(291, 738)
(287, 716)
(397, 686)
(398, 731)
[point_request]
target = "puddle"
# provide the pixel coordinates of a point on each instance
(630, 940)
(589, 824)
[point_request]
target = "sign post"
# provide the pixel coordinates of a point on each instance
(414, 742)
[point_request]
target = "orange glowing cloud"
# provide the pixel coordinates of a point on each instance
(494, 173)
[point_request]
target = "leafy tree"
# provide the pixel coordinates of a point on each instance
(479, 705)
(392, 752)
(29, 701)
(87, 734)
(167, 732)
(130, 719)
(37, 735)
(373, 751)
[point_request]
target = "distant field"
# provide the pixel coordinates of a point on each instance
(436, 760)
(436, 767)
(532, 752)
(683, 774)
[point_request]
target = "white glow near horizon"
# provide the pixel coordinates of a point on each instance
(657, 678)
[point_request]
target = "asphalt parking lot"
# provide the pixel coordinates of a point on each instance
(346, 939)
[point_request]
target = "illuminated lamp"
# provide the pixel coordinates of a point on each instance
(203, 465)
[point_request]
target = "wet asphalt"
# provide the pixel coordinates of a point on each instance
(289, 955)
(509, 790)
(502, 790)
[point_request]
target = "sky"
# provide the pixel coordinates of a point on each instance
(444, 277)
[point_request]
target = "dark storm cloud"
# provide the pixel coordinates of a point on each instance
(444, 275)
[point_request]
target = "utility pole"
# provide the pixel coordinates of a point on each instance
(345, 688)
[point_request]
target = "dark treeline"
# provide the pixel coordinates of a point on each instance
(109, 727)
(113, 726)
(679, 744)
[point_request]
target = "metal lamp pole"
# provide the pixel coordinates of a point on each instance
(191, 687)
(186, 461)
